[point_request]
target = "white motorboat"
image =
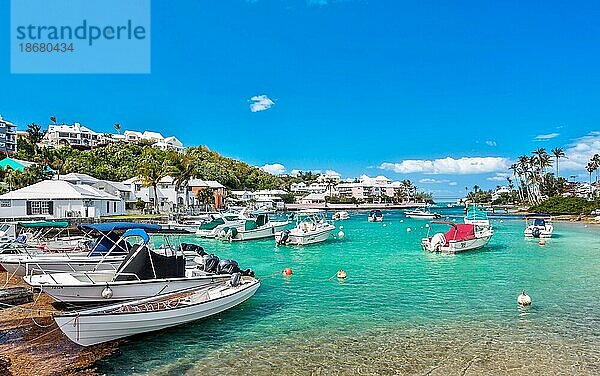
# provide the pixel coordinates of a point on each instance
(258, 226)
(476, 215)
(30, 260)
(311, 227)
(52, 236)
(539, 226)
(461, 237)
(340, 216)
(218, 222)
(108, 323)
(422, 214)
(143, 274)
(375, 216)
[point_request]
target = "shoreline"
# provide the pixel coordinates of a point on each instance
(26, 347)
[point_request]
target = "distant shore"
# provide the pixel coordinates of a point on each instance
(385, 206)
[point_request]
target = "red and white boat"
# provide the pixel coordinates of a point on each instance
(461, 237)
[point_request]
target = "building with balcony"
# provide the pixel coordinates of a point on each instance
(76, 135)
(8, 137)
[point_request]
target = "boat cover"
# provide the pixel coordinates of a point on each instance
(212, 224)
(145, 263)
(460, 232)
(112, 226)
(38, 224)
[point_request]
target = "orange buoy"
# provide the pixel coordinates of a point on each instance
(287, 271)
(341, 274)
(542, 242)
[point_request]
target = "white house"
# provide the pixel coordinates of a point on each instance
(168, 197)
(499, 191)
(59, 199)
(313, 198)
(158, 140)
(75, 135)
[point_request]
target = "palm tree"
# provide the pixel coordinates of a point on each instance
(53, 119)
(591, 166)
(558, 153)
(596, 161)
(118, 128)
(475, 188)
(34, 136)
(182, 170)
(153, 168)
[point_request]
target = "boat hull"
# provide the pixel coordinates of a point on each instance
(19, 266)
(121, 290)
(261, 233)
(90, 329)
(460, 245)
(307, 238)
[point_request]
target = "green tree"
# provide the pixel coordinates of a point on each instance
(152, 168)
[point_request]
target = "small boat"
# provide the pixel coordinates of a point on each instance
(143, 273)
(375, 216)
(461, 237)
(52, 236)
(476, 215)
(32, 260)
(340, 216)
(108, 323)
(422, 214)
(311, 227)
(218, 222)
(538, 226)
(257, 226)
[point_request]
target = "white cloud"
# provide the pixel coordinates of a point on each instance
(433, 181)
(490, 143)
(461, 166)
(579, 152)
(275, 168)
(332, 173)
(317, 2)
(453, 183)
(500, 176)
(260, 103)
(542, 137)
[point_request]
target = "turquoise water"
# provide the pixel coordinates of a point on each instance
(400, 311)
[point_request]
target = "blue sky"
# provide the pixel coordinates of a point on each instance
(359, 87)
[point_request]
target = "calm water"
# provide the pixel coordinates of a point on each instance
(400, 311)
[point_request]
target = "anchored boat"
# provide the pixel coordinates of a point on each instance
(257, 226)
(375, 216)
(108, 323)
(538, 226)
(143, 273)
(311, 227)
(422, 214)
(461, 237)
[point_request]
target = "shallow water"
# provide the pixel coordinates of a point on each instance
(400, 311)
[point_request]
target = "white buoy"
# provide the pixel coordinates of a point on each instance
(341, 227)
(341, 234)
(427, 225)
(524, 299)
(408, 229)
(384, 225)
(402, 220)
(502, 221)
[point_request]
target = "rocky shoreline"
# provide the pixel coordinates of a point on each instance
(40, 348)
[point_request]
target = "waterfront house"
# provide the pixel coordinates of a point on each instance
(54, 199)
(313, 198)
(195, 186)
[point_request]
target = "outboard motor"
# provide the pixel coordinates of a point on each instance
(248, 272)
(210, 263)
(285, 235)
(228, 267)
(535, 232)
(235, 280)
(188, 247)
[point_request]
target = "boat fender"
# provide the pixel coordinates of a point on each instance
(107, 293)
(285, 235)
(235, 279)
(524, 299)
(535, 232)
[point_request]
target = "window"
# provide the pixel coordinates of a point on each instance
(40, 207)
(114, 207)
(108, 206)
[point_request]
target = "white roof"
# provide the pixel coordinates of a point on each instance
(205, 183)
(57, 189)
(78, 178)
(314, 196)
(117, 185)
(155, 135)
